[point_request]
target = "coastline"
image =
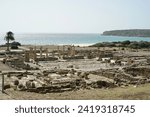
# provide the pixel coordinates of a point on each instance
(71, 39)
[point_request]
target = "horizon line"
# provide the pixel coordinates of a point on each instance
(46, 33)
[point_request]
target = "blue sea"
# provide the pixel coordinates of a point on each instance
(65, 39)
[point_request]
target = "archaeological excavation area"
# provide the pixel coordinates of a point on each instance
(72, 68)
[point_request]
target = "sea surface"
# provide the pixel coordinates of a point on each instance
(67, 39)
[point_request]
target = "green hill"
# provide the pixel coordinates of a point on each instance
(130, 33)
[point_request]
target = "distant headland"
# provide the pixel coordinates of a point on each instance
(129, 33)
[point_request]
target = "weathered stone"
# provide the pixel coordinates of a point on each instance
(31, 77)
(54, 76)
(30, 84)
(97, 81)
(16, 82)
(7, 86)
(138, 71)
(84, 75)
(37, 84)
(21, 87)
(70, 66)
(26, 56)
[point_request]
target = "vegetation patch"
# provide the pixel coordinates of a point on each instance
(127, 44)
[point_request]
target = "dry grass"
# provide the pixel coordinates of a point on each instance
(139, 93)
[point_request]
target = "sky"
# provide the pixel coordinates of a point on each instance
(73, 16)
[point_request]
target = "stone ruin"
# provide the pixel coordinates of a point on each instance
(56, 81)
(32, 55)
(70, 80)
(126, 76)
(68, 52)
(59, 80)
(17, 62)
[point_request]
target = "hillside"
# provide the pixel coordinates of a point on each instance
(130, 33)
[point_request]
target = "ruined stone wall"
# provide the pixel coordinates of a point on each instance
(138, 71)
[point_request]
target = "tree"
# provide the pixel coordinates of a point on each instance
(9, 37)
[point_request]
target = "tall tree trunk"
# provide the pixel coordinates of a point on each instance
(8, 45)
